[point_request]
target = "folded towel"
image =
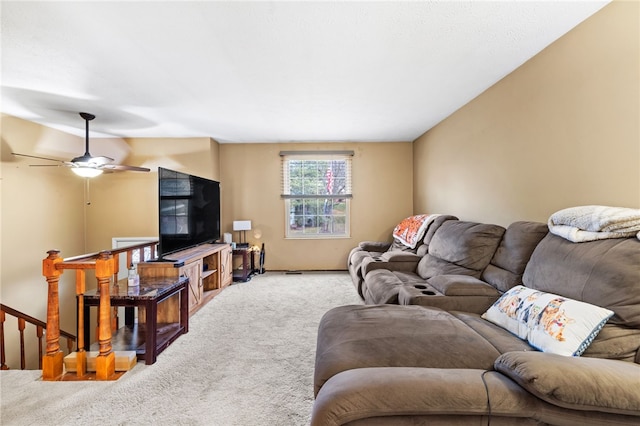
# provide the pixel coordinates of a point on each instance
(590, 223)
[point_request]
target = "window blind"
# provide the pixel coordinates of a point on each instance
(316, 174)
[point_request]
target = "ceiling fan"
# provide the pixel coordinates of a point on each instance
(87, 165)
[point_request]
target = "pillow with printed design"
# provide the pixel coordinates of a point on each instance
(549, 322)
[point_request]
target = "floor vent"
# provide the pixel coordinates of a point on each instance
(293, 273)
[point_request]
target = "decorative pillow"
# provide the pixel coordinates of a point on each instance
(549, 322)
(411, 230)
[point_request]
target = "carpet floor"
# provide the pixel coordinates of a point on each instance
(247, 360)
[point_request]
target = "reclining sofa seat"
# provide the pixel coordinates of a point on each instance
(469, 294)
(378, 253)
(458, 248)
(395, 365)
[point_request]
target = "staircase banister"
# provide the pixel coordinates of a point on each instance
(105, 263)
(90, 258)
(32, 320)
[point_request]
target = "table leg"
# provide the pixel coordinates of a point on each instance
(245, 265)
(150, 332)
(129, 316)
(87, 327)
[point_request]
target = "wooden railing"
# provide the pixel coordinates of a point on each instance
(106, 266)
(23, 320)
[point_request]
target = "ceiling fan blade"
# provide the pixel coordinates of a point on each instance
(35, 156)
(123, 168)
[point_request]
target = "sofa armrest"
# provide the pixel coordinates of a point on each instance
(366, 393)
(406, 262)
(462, 285)
(588, 384)
(379, 246)
(400, 256)
(425, 295)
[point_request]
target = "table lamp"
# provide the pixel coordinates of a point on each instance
(242, 226)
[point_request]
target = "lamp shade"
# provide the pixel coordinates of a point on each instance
(241, 225)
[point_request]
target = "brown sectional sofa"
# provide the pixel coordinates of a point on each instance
(457, 248)
(371, 255)
(474, 260)
(473, 293)
(387, 364)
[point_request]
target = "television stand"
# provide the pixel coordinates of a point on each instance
(208, 267)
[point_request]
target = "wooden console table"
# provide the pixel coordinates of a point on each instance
(161, 319)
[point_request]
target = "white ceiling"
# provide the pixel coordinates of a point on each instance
(266, 71)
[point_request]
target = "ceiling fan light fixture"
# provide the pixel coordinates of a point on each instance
(87, 172)
(87, 165)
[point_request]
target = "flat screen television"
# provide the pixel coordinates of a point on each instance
(189, 211)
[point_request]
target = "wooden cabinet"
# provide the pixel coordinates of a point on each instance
(207, 266)
(192, 271)
(226, 266)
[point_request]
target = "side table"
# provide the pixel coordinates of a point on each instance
(248, 264)
(149, 338)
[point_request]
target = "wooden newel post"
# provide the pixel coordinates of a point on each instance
(106, 360)
(52, 361)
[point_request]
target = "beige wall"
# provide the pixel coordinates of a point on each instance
(42, 209)
(382, 188)
(126, 204)
(47, 208)
(562, 130)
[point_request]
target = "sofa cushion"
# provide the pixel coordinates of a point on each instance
(462, 285)
(357, 336)
(616, 342)
(603, 273)
(513, 253)
(460, 248)
(381, 286)
(501, 339)
(547, 321)
(586, 384)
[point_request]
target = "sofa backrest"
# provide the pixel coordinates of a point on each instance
(431, 230)
(422, 247)
(605, 273)
(510, 259)
(460, 248)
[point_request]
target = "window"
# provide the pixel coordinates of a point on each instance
(316, 188)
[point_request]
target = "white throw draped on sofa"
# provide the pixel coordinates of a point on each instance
(590, 223)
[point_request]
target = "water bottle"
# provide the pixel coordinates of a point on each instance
(133, 279)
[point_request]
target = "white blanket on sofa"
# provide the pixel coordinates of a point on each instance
(590, 223)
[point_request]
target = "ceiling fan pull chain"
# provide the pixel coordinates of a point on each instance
(87, 191)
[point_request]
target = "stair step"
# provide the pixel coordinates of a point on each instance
(125, 360)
